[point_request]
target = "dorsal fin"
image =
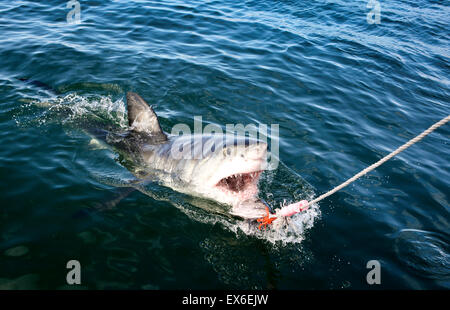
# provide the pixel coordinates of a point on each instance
(141, 116)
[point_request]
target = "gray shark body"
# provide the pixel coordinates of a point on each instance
(222, 168)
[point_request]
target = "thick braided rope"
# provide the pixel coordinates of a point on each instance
(384, 159)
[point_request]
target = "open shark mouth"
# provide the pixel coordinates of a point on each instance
(243, 184)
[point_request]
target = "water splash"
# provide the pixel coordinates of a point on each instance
(72, 109)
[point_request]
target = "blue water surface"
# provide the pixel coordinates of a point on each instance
(344, 91)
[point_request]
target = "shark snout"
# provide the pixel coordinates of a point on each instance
(252, 152)
(256, 151)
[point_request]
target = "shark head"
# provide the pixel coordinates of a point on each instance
(228, 169)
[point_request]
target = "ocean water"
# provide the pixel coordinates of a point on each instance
(345, 91)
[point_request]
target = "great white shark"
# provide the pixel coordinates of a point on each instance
(221, 167)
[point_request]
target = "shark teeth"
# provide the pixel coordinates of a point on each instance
(239, 182)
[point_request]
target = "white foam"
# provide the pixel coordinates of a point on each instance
(72, 108)
(283, 231)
